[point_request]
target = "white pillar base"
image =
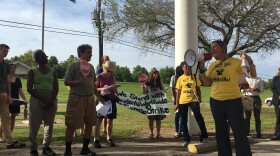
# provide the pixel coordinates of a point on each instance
(192, 124)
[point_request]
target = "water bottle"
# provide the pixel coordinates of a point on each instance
(25, 112)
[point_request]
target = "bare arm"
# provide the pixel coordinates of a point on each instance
(97, 81)
(55, 85)
(177, 99)
(206, 80)
(8, 85)
(199, 94)
(73, 83)
(21, 93)
(114, 82)
(96, 92)
(173, 93)
(30, 90)
(253, 72)
(145, 89)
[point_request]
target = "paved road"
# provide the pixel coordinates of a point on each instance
(145, 147)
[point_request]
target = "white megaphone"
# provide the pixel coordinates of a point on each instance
(191, 58)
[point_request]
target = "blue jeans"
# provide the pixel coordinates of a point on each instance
(178, 122)
(195, 107)
(230, 111)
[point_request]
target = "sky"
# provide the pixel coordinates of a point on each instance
(64, 14)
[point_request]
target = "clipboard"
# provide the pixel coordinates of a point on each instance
(18, 102)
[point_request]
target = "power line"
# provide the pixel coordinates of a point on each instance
(264, 74)
(59, 32)
(81, 33)
(33, 25)
(86, 34)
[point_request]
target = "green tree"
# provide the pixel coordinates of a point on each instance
(251, 25)
(268, 84)
(26, 58)
(61, 67)
(53, 61)
(137, 71)
(166, 73)
(70, 59)
(122, 74)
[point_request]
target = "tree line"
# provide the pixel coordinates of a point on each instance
(121, 73)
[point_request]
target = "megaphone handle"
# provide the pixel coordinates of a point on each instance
(196, 96)
(198, 65)
(191, 73)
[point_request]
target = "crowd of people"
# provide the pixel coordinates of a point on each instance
(222, 74)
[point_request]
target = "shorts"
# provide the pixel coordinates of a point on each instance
(80, 111)
(113, 115)
(156, 117)
(14, 109)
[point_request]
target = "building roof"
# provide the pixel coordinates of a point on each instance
(22, 68)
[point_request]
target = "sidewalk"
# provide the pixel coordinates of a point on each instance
(145, 147)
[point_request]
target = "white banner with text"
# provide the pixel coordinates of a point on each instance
(152, 103)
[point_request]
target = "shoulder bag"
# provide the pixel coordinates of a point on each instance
(248, 102)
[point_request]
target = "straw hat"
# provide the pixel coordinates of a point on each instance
(109, 65)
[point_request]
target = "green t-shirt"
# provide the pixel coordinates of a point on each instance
(43, 83)
(73, 72)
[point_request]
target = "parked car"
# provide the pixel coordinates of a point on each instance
(268, 101)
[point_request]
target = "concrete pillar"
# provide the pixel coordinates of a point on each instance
(186, 37)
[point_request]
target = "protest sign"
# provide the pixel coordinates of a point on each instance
(142, 78)
(84, 67)
(104, 109)
(109, 89)
(152, 103)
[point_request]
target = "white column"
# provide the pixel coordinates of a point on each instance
(186, 37)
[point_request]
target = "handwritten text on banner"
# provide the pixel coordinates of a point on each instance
(152, 103)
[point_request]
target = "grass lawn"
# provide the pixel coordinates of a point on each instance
(129, 122)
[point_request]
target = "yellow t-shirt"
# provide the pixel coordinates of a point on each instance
(224, 78)
(187, 85)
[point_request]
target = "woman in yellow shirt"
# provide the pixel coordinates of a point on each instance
(189, 95)
(225, 101)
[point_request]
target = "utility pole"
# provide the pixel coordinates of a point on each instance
(100, 34)
(98, 18)
(43, 24)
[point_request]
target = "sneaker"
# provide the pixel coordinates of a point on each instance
(75, 134)
(205, 140)
(177, 135)
(1, 140)
(186, 144)
(259, 136)
(97, 144)
(48, 151)
(111, 143)
(68, 153)
(16, 144)
(34, 153)
(275, 138)
(151, 136)
(87, 152)
(158, 136)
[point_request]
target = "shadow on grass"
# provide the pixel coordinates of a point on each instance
(61, 113)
